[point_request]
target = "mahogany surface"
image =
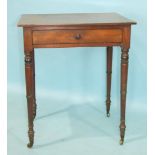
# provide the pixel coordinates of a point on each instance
(76, 30)
(73, 19)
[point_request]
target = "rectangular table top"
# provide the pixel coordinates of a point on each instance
(31, 20)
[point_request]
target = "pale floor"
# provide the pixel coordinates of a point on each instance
(79, 129)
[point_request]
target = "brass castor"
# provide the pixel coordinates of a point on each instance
(121, 142)
(108, 114)
(29, 145)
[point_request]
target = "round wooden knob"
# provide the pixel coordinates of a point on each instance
(78, 36)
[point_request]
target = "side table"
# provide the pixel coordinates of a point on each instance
(76, 30)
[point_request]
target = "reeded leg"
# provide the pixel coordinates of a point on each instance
(109, 72)
(29, 91)
(34, 95)
(124, 74)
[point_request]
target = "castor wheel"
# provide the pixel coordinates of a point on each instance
(29, 145)
(121, 142)
(108, 114)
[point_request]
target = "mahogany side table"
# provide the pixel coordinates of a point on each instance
(76, 30)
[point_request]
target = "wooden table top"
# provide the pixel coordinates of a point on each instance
(27, 20)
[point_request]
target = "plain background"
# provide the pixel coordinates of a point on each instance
(71, 86)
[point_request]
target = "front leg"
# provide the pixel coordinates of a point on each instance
(124, 74)
(30, 94)
(34, 94)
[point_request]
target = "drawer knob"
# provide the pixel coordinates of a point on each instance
(77, 37)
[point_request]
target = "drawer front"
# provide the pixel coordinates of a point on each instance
(77, 36)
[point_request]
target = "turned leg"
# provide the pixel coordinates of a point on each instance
(124, 74)
(30, 94)
(34, 95)
(109, 72)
